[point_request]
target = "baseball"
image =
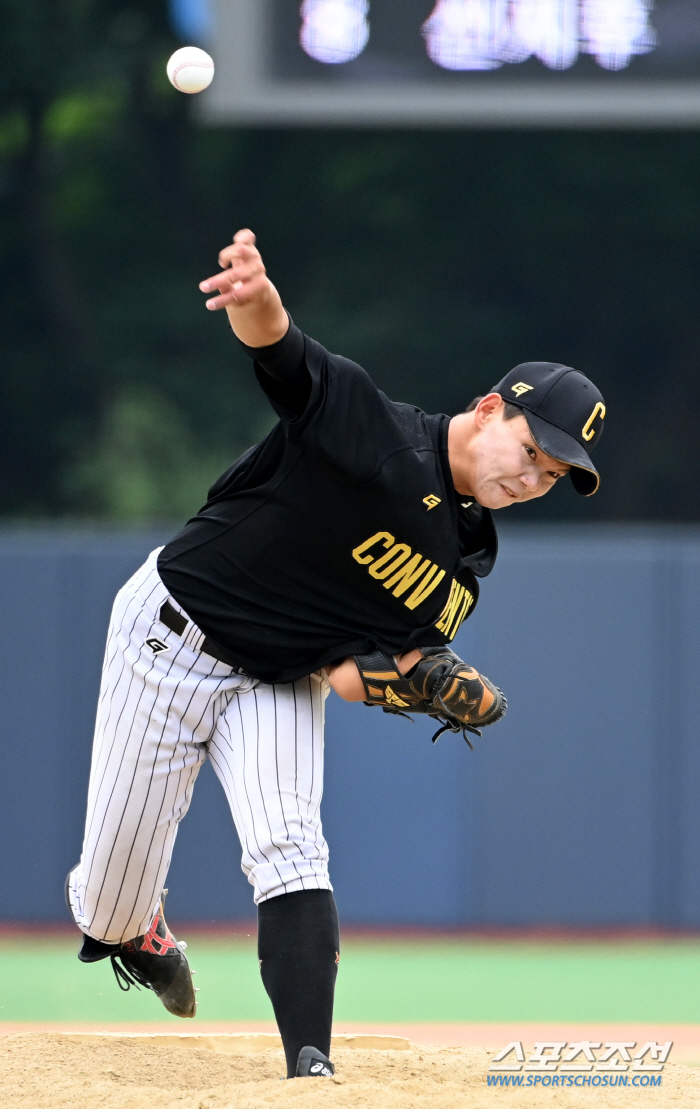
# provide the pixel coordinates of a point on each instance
(190, 69)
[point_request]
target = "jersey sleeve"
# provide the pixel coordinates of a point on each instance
(347, 422)
(281, 370)
(329, 406)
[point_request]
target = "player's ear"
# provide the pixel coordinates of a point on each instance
(488, 407)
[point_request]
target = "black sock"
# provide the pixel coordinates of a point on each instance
(298, 946)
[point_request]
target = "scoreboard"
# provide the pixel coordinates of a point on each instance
(459, 36)
(452, 62)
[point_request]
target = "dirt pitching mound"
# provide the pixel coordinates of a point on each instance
(62, 1071)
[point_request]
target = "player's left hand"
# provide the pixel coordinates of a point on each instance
(244, 280)
(440, 684)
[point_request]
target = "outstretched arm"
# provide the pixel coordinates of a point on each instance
(243, 288)
(259, 319)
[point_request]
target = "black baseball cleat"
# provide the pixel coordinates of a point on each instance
(155, 960)
(313, 1064)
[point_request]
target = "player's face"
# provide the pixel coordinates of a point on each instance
(504, 464)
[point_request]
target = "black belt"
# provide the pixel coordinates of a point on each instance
(178, 623)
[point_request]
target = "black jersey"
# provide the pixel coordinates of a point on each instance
(340, 532)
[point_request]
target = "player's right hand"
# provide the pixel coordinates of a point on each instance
(243, 280)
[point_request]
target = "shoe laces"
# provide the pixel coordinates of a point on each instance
(127, 978)
(132, 977)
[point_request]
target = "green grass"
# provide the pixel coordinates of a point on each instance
(384, 980)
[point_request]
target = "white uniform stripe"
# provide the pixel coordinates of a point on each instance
(166, 783)
(313, 745)
(296, 763)
(224, 770)
(126, 796)
(118, 620)
(184, 793)
(272, 837)
(160, 715)
(107, 672)
(289, 838)
(251, 746)
(107, 728)
(126, 783)
(116, 773)
(99, 804)
(294, 826)
(318, 716)
(299, 853)
(244, 779)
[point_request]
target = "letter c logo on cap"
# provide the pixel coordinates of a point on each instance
(588, 431)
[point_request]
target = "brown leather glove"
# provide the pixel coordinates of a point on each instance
(441, 685)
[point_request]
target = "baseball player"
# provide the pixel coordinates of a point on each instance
(342, 551)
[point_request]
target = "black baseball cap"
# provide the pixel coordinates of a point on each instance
(565, 413)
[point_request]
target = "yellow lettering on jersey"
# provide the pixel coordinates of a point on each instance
(451, 608)
(408, 575)
(400, 570)
(458, 604)
(425, 587)
(395, 557)
(360, 551)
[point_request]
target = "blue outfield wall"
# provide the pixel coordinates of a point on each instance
(578, 809)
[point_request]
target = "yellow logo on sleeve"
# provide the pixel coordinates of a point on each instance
(431, 500)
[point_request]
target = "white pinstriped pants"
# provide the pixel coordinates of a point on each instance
(160, 715)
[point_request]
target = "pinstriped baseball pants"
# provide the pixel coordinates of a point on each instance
(161, 713)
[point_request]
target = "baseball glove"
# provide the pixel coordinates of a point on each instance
(441, 685)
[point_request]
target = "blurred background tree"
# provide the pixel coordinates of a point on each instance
(437, 259)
